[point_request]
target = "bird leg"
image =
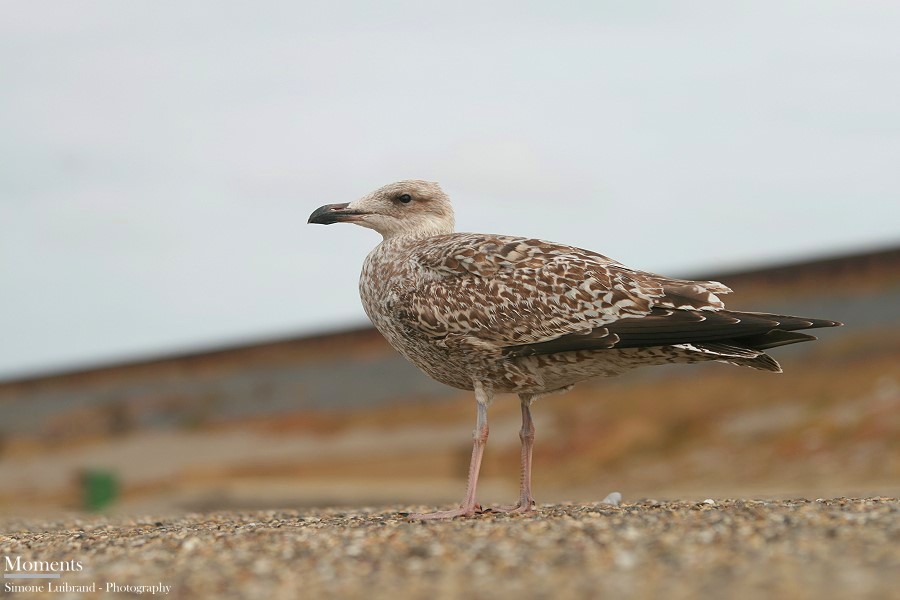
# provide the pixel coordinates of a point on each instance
(526, 434)
(469, 507)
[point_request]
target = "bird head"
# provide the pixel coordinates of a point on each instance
(416, 208)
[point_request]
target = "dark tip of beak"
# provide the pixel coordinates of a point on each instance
(330, 213)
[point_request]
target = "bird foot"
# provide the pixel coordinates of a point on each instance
(521, 507)
(462, 511)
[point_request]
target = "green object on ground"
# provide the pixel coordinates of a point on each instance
(99, 489)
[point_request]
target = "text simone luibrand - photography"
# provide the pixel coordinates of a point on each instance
(25, 575)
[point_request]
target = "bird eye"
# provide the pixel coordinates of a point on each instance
(404, 198)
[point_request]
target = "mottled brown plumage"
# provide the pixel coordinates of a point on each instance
(498, 314)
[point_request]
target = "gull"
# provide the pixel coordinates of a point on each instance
(504, 314)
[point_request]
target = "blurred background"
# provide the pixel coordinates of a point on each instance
(173, 336)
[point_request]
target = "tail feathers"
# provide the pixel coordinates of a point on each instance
(728, 348)
(763, 362)
(761, 331)
(785, 333)
(740, 355)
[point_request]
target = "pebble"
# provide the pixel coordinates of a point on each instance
(614, 499)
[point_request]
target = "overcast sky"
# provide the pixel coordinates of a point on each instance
(158, 159)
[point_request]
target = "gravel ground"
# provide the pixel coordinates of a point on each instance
(847, 548)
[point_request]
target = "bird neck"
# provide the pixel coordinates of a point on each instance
(426, 230)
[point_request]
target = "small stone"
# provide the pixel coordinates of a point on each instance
(613, 499)
(190, 544)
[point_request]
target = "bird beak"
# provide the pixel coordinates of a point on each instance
(334, 213)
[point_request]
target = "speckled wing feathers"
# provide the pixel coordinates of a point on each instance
(511, 292)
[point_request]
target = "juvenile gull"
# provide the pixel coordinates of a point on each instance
(503, 314)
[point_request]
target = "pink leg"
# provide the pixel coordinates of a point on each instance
(526, 434)
(469, 507)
